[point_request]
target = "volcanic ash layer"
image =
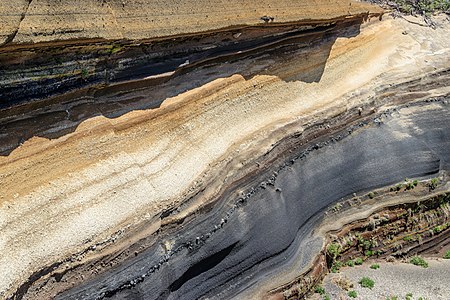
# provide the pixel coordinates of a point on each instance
(220, 190)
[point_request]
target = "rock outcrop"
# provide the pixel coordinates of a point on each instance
(31, 21)
(203, 165)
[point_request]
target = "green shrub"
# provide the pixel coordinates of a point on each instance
(408, 238)
(352, 294)
(371, 195)
(84, 73)
(366, 282)
(327, 297)
(336, 266)
(319, 290)
(334, 250)
(350, 263)
(409, 186)
(359, 261)
(419, 261)
(447, 255)
(409, 296)
(375, 266)
(433, 183)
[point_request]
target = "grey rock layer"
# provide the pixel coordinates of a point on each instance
(269, 227)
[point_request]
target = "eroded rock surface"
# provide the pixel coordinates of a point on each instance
(26, 21)
(205, 173)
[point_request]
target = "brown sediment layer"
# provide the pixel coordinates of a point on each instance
(39, 21)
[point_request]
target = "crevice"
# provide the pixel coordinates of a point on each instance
(12, 36)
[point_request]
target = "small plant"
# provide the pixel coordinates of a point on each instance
(337, 207)
(371, 195)
(439, 228)
(359, 261)
(419, 261)
(415, 182)
(84, 73)
(408, 238)
(336, 266)
(409, 296)
(410, 186)
(366, 282)
(350, 263)
(114, 49)
(319, 290)
(352, 294)
(344, 283)
(447, 254)
(327, 297)
(334, 250)
(375, 266)
(433, 183)
(392, 298)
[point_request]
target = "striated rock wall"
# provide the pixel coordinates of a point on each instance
(210, 183)
(32, 21)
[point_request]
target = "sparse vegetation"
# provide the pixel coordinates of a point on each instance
(359, 261)
(352, 294)
(433, 183)
(408, 238)
(419, 261)
(114, 49)
(344, 283)
(319, 290)
(350, 263)
(410, 186)
(366, 282)
(327, 297)
(337, 207)
(447, 255)
(375, 266)
(334, 250)
(409, 296)
(422, 6)
(371, 195)
(440, 228)
(84, 73)
(337, 265)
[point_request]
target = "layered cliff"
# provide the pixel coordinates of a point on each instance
(31, 21)
(203, 165)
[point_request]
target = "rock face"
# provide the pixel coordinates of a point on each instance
(202, 165)
(31, 21)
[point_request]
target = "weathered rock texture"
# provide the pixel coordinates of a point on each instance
(31, 21)
(210, 181)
